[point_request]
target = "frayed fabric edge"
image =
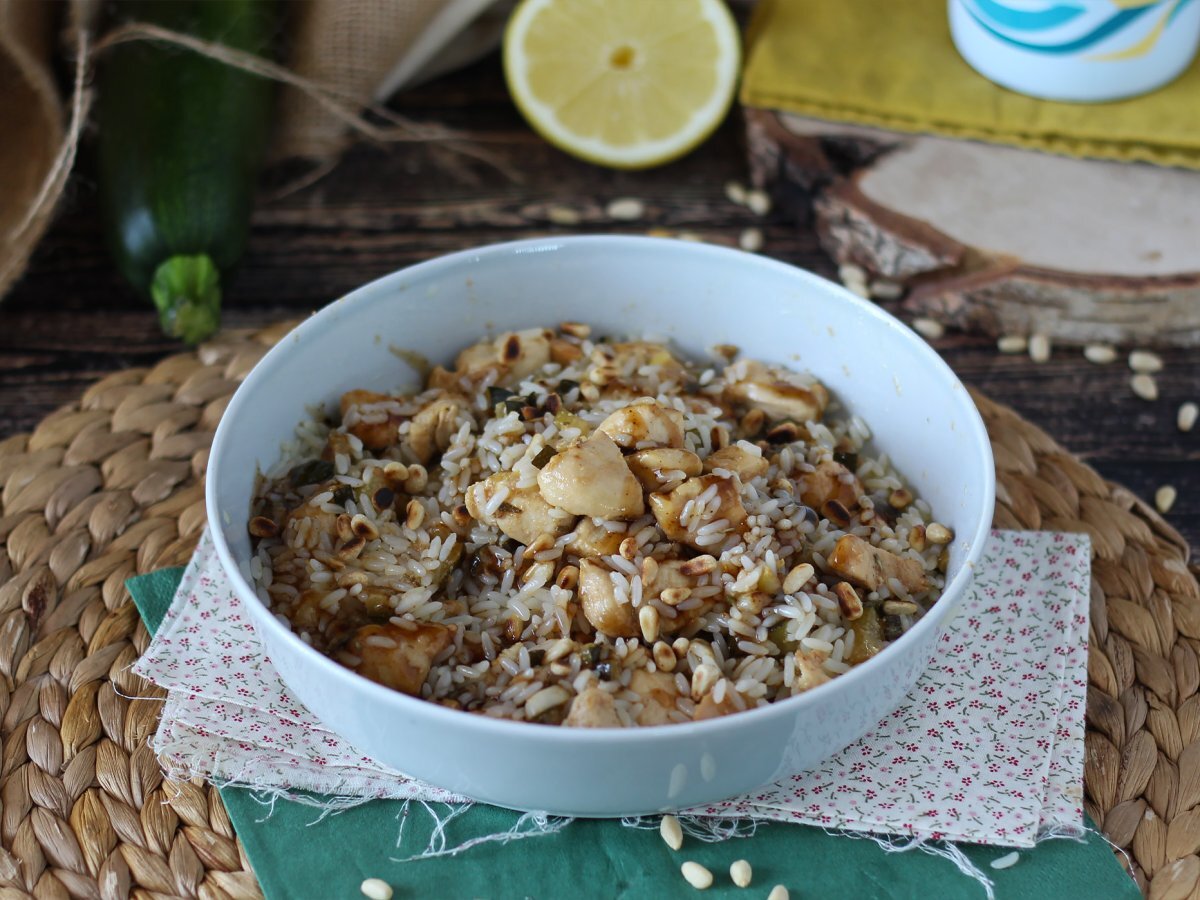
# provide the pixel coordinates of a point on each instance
(530, 824)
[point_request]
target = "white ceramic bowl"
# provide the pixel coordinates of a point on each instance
(697, 296)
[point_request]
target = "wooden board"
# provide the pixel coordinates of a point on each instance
(994, 238)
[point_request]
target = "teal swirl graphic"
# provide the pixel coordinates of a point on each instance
(1048, 30)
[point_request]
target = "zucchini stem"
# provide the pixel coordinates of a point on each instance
(187, 292)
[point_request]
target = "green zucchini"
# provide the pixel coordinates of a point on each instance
(180, 144)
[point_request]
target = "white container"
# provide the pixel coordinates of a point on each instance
(1077, 50)
(696, 296)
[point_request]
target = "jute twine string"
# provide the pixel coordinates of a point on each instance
(112, 485)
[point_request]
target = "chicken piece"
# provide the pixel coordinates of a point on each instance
(659, 469)
(591, 479)
(624, 360)
(375, 435)
(830, 481)
(608, 614)
(708, 708)
(591, 539)
(668, 509)
(432, 429)
(523, 514)
(743, 459)
(870, 567)
(658, 694)
(775, 392)
(593, 708)
(809, 671)
(514, 355)
(644, 424)
(396, 656)
(306, 610)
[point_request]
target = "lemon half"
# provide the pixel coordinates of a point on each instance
(623, 83)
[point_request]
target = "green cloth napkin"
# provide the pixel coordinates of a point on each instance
(297, 851)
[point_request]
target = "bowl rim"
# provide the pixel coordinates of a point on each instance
(309, 331)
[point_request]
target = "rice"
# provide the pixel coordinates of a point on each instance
(420, 540)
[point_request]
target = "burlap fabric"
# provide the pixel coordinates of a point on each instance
(31, 128)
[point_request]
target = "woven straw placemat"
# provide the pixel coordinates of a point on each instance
(112, 486)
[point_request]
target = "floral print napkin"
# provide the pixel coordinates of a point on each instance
(987, 747)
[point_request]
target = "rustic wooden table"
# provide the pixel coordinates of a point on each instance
(70, 320)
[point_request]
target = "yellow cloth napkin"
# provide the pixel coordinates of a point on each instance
(893, 65)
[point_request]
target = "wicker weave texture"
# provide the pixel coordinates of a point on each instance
(112, 486)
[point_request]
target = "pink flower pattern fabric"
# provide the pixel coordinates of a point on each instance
(987, 748)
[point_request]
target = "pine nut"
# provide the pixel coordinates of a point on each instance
(626, 209)
(703, 679)
(563, 215)
(1144, 386)
(648, 621)
(700, 565)
(414, 514)
(751, 240)
(1039, 348)
(848, 600)
(1100, 354)
(849, 273)
(735, 192)
(664, 656)
(798, 578)
(931, 329)
(1145, 361)
(779, 892)
(758, 202)
(937, 533)
(576, 329)
(376, 889)
(1164, 498)
(1012, 343)
(364, 527)
(676, 595)
(671, 832)
(741, 873)
(1185, 419)
(886, 290)
(696, 875)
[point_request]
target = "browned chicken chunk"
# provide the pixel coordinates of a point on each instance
(868, 566)
(399, 657)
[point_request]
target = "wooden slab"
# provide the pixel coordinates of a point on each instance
(994, 238)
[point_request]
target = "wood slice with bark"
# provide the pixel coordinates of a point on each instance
(993, 238)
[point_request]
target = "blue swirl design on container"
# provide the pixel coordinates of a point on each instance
(1065, 28)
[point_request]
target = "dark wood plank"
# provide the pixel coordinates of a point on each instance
(71, 320)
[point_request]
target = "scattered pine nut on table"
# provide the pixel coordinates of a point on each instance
(741, 873)
(376, 889)
(696, 875)
(671, 832)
